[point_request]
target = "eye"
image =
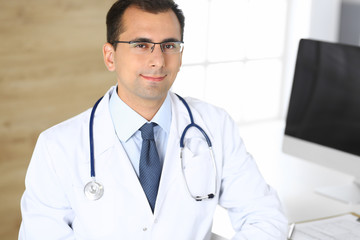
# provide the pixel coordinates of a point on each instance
(140, 45)
(170, 45)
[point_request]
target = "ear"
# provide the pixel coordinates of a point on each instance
(109, 54)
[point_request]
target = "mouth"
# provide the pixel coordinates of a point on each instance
(153, 78)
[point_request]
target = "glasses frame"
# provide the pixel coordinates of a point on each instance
(153, 47)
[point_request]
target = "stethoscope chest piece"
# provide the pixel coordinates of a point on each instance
(93, 190)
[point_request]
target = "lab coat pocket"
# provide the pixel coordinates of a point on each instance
(198, 167)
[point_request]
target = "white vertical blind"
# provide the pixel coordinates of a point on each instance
(233, 55)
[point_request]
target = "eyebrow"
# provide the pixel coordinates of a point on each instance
(149, 40)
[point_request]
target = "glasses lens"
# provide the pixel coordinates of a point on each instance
(148, 47)
(171, 47)
(141, 47)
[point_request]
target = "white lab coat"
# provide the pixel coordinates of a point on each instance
(54, 206)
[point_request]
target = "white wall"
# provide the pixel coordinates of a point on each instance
(315, 19)
(349, 31)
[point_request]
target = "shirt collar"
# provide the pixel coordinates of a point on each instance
(126, 121)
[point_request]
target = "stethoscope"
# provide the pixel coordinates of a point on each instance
(94, 190)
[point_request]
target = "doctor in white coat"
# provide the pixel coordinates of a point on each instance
(144, 50)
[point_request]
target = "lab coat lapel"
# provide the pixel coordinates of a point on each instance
(103, 130)
(172, 164)
(127, 180)
(110, 156)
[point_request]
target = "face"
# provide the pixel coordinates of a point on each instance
(144, 79)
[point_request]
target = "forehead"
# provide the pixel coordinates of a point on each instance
(155, 26)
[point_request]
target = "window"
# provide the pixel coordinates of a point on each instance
(233, 55)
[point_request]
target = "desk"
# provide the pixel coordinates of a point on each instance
(294, 179)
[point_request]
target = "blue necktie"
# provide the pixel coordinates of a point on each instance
(150, 168)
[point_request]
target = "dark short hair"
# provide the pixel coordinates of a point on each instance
(114, 22)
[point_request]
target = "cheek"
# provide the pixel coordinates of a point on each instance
(127, 66)
(174, 64)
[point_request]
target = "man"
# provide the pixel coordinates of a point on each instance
(143, 188)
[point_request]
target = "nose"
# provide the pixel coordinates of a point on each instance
(156, 57)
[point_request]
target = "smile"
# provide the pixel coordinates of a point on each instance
(153, 78)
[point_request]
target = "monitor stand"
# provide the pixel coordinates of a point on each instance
(348, 193)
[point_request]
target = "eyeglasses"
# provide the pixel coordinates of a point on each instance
(140, 47)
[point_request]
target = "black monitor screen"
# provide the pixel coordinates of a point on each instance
(324, 105)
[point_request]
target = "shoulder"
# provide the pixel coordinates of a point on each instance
(67, 131)
(205, 110)
(215, 121)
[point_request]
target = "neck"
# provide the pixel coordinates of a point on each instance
(147, 108)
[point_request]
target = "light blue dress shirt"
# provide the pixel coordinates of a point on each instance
(127, 123)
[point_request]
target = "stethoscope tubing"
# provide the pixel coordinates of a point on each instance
(91, 137)
(192, 124)
(93, 185)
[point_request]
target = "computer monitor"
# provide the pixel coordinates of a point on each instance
(323, 119)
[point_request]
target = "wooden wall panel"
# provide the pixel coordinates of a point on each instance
(51, 68)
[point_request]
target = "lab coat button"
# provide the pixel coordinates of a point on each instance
(144, 229)
(156, 220)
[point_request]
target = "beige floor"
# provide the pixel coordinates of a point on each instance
(50, 69)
